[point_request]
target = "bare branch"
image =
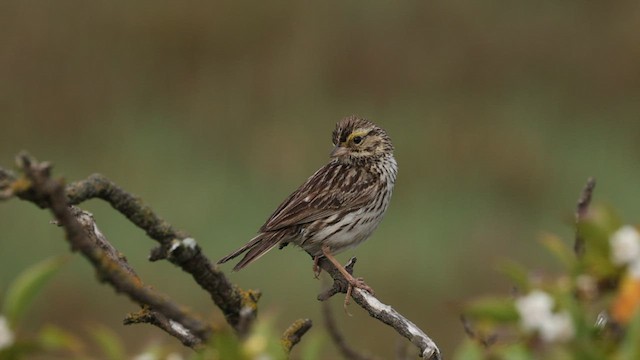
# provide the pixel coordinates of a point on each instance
(581, 211)
(336, 336)
(385, 313)
(292, 336)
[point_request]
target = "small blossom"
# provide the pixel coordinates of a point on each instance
(174, 356)
(586, 286)
(534, 308)
(557, 327)
(6, 335)
(625, 245)
(146, 356)
(634, 269)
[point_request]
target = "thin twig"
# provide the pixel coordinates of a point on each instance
(485, 341)
(385, 313)
(336, 336)
(292, 336)
(581, 211)
(173, 328)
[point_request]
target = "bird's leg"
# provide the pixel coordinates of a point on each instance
(316, 269)
(353, 282)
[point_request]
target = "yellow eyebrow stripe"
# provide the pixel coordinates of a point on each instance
(361, 133)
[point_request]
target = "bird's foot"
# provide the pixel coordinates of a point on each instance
(355, 283)
(352, 282)
(360, 284)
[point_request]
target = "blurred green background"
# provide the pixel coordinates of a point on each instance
(214, 112)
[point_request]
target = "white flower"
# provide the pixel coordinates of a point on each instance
(587, 286)
(174, 356)
(6, 335)
(146, 356)
(534, 308)
(536, 314)
(557, 327)
(634, 269)
(625, 245)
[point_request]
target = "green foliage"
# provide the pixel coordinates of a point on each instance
(54, 339)
(109, 342)
(587, 311)
(27, 285)
(18, 351)
(557, 247)
(311, 347)
(264, 340)
(498, 309)
(469, 350)
(630, 346)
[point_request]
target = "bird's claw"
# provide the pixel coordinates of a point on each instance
(355, 283)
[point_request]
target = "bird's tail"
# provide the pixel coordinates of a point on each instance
(255, 248)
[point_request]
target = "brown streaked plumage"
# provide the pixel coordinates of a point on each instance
(340, 205)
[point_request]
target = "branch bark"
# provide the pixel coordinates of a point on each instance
(83, 236)
(37, 186)
(385, 313)
(239, 306)
(294, 333)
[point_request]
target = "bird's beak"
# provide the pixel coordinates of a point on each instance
(339, 151)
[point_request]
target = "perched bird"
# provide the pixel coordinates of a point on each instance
(339, 206)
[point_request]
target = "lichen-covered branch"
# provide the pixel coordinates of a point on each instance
(173, 328)
(83, 235)
(239, 306)
(377, 309)
(292, 336)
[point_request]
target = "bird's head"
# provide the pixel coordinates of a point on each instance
(355, 138)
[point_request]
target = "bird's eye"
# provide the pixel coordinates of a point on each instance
(357, 140)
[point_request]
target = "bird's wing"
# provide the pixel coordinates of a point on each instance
(332, 188)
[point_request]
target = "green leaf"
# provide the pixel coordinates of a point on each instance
(27, 285)
(54, 338)
(515, 352)
(630, 347)
(604, 218)
(312, 346)
(109, 342)
(19, 351)
(559, 248)
(493, 308)
(517, 273)
(227, 346)
(469, 350)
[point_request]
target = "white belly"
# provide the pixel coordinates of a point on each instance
(343, 235)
